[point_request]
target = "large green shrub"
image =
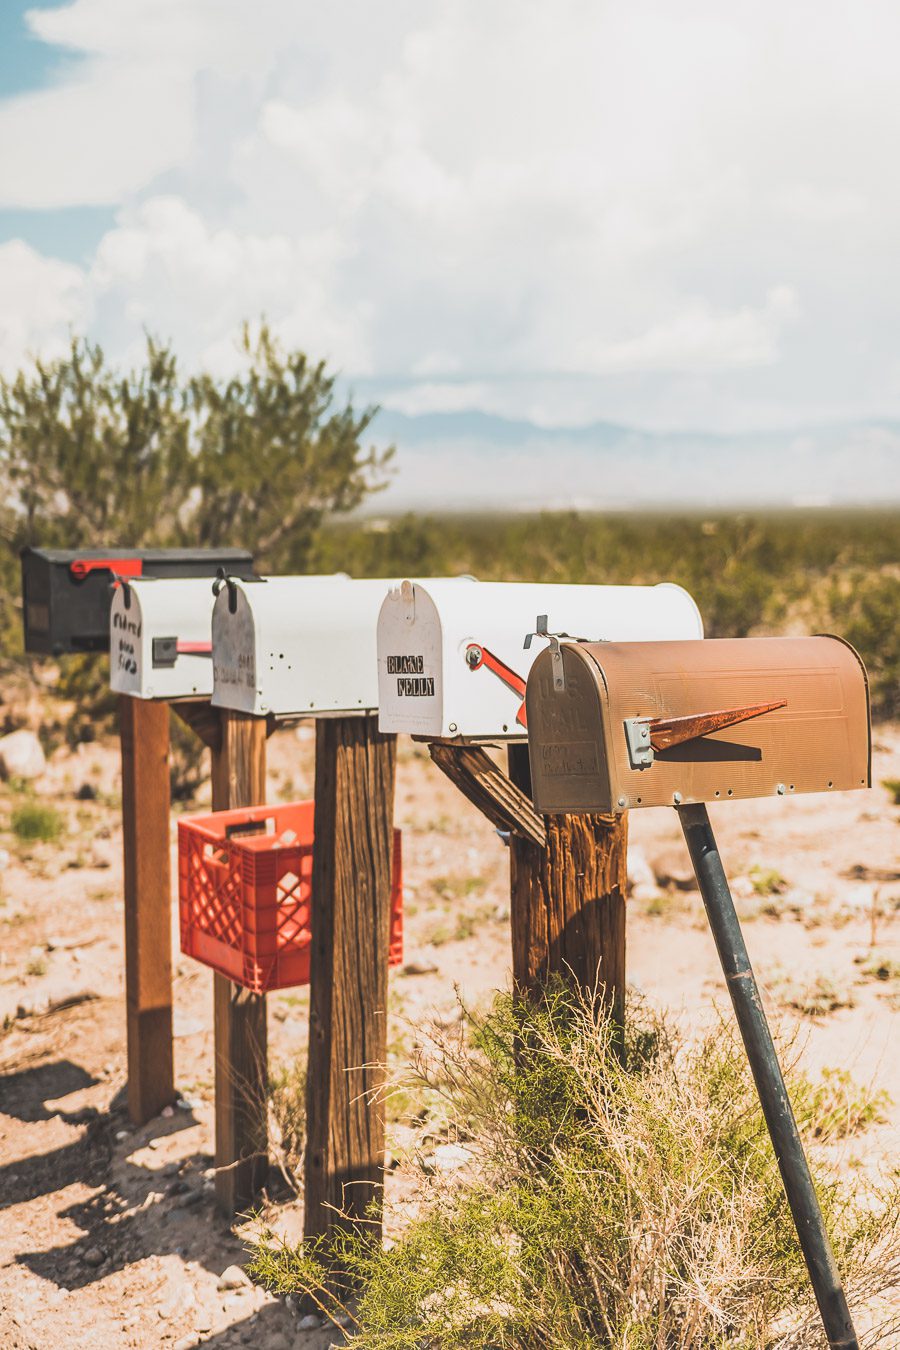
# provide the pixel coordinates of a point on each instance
(608, 1205)
(92, 456)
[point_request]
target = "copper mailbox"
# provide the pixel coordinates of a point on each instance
(613, 726)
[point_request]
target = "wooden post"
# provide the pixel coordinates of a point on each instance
(239, 779)
(351, 887)
(567, 900)
(144, 734)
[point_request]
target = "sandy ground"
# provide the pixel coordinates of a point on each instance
(109, 1235)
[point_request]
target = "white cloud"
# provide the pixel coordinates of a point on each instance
(698, 340)
(165, 270)
(440, 397)
(646, 212)
(43, 301)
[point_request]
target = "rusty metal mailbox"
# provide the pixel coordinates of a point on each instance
(618, 725)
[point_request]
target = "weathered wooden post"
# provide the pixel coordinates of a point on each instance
(452, 664)
(237, 746)
(567, 900)
(144, 734)
(613, 727)
(241, 1039)
(295, 647)
(68, 600)
(352, 876)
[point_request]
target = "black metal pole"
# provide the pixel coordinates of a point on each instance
(770, 1085)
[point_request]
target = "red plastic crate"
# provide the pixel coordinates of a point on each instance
(244, 890)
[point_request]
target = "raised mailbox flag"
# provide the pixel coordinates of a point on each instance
(665, 723)
(67, 593)
(453, 661)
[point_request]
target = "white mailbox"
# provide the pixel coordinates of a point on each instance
(453, 663)
(298, 645)
(160, 641)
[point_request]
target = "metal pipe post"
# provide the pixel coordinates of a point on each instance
(770, 1085)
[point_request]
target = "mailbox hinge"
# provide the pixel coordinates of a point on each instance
(556, 657)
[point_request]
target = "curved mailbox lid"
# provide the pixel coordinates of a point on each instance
(160, 638)
(264, 657)
(426, 631)
(298, 645)
(583, 738)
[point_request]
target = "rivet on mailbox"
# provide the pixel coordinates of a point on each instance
(685, 723)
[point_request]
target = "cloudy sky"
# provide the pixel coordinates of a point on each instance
(674, 215)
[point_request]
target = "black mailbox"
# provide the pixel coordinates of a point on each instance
(67, 593)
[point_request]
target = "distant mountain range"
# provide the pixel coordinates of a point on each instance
(478, 461)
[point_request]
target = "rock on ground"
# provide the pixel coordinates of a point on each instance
(21, 755)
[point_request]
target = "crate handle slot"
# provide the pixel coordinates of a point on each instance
(247, 827)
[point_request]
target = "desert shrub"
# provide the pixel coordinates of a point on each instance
(33, 822)
(156, 456)
(893, 787)
(815, 994)
(767, 881)
(287, 1117)
(862, 606)
(611, 1204)
(836, 1106)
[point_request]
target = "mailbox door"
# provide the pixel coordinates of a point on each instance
(235, 651)
(818, 741)
(410, 654)
(280, 646)
(160, 638)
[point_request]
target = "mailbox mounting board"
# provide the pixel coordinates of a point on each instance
(67, 592)
(160, 641)
(297, 646)
(582, 742)
(452, 661)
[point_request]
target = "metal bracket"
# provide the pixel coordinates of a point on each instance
(540, 630)
(637, 736)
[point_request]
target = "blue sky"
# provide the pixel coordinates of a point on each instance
(671, 217)
(25, 62)
(28, 64)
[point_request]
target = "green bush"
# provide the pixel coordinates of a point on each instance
(33, 821)
(609, 1205)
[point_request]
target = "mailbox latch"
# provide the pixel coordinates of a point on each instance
(166, 650)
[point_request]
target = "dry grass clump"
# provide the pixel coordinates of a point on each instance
(612, 1203)
(287, 1120)
(36, 822)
